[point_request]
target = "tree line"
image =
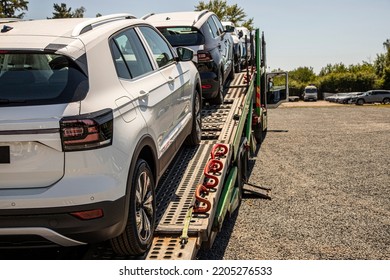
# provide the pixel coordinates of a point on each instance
(16, 8)
(341, 78)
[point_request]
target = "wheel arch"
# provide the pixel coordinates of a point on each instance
(146, 150)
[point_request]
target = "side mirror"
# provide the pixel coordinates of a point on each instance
(277, 91)
(184, 54)
(240, 34)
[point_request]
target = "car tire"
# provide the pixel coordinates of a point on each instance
(219, 98)
(386, 100)
(242, 176)
(258, 133)
(196, 132)
(137, 236)
(360, 102)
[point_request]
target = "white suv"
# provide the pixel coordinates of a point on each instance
(92, 111)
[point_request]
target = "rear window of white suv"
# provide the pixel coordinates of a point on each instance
(39, 78)
(182, 35)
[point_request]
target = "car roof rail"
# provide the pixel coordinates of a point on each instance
(89, 24)
(148, 16)
(5, 20)
(200, 15)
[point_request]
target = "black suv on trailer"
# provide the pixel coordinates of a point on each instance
(212, 45)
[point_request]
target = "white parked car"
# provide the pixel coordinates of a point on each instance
(92, 111)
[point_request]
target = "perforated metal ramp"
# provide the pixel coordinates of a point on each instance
(176, 190)
(169, 248)
(175, 195)
(219, 121)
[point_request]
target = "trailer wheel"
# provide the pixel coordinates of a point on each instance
(242, 176)
(138, 234)
(237, 67)
(196, 132)
(258, 133)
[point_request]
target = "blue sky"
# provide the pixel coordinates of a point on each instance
(298, 32)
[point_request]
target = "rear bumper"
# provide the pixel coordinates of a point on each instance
(23, 228)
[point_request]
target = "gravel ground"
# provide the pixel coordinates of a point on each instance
(329, 172)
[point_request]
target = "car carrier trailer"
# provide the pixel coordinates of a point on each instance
(205, 184)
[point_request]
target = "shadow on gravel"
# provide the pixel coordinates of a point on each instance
(217, 251)
(278, 130)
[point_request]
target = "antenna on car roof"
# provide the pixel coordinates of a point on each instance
(201, 14)
(88, 25)
(147, 16)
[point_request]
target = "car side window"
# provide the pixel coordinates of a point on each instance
(130, 57)
(212, 27)
(219, 25)
(162, 53)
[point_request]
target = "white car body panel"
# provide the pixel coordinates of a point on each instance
(80, 151)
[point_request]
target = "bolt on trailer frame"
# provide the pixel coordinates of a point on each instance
(204, 184)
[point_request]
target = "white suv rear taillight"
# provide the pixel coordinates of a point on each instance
(86, 132)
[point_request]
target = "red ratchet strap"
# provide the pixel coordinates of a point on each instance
(211, 181)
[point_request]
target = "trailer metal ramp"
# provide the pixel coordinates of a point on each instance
(175, 194)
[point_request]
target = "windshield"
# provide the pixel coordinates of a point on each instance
(229, 28)
(182, 36)
(39, 78)
(311, 90)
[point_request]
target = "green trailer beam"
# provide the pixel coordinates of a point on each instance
(225, 199)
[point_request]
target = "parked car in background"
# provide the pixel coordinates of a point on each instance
(238, 45)
(310, 93)
(92, 111)
(346, 99)
(372, 96)
(335, 97)
(203, 32)
(330, 97)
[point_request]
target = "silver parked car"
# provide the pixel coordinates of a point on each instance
(373, 96)
(346, 99)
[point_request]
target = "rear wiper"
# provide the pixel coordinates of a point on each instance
(11, 101)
